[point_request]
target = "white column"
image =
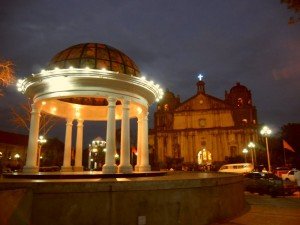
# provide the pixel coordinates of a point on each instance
(68, 147)
(125, 166)
(78, 155)
(32, 150)
(110, 166)
(144, 166)
(139, 142)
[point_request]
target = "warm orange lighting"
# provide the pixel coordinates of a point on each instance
(139, 110)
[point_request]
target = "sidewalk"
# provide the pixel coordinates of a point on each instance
(265, 210)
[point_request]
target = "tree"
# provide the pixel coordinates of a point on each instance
(21, 116)
(293, 5)
(52, 153)
(7, 74)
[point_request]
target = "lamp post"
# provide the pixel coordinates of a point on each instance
(1, 163)
(94, 153)
(41, 141)
(245, 151)
(251, 146)
(265, 132)
(93, 150)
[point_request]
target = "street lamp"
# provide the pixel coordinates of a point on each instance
(265, 132)
(1, 163)
(251, 146)
(95, 153)
(41, 141)
(245, 151)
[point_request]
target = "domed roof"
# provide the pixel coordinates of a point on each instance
(238, 88)
(94, 56)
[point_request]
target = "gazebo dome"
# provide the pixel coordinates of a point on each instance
(83, 77)
(94, 56)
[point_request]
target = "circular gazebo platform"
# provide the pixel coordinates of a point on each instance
(191, 198)
(81, 175)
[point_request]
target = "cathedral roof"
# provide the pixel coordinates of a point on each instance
(202, 101)
(94, 56)
(238, 88)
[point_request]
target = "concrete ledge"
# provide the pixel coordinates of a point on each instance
(66, 169)
(15, 206)
(177, 198)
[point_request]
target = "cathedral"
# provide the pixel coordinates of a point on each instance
(203, 129)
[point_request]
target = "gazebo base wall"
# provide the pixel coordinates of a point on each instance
(185, 198)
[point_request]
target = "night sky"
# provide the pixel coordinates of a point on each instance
(171, 41)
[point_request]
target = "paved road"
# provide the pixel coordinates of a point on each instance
(265, 210)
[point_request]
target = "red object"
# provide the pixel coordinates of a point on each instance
(287, 146)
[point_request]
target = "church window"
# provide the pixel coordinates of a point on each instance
(239, 102)
(204, 157)
(166, 107)
(202, 122)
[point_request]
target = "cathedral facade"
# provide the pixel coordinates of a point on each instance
(203, 129)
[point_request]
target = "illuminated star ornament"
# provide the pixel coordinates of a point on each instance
(200, 77)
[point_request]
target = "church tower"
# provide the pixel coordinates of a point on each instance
(240, 98)
(163, 117)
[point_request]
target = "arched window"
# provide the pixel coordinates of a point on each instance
(166, 107)
(204, 157)
(240, 102)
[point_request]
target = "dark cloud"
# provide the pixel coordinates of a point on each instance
(171, 41)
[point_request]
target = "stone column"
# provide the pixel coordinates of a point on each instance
(32, 149)
(139, 142)
(78, 156)
(68, 147)
(144, 166)
(110, 166)
(125, 166)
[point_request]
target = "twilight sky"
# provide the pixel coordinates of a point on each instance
(171, 41)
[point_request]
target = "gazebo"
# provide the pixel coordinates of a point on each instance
(92, 82)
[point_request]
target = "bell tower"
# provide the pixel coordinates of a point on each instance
(163, 117)
(200, 85)
(240, 98)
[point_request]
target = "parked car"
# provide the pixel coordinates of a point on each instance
(265, 183)
(237, 168)
(278, 171)
(289, 176)
(297, 178)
